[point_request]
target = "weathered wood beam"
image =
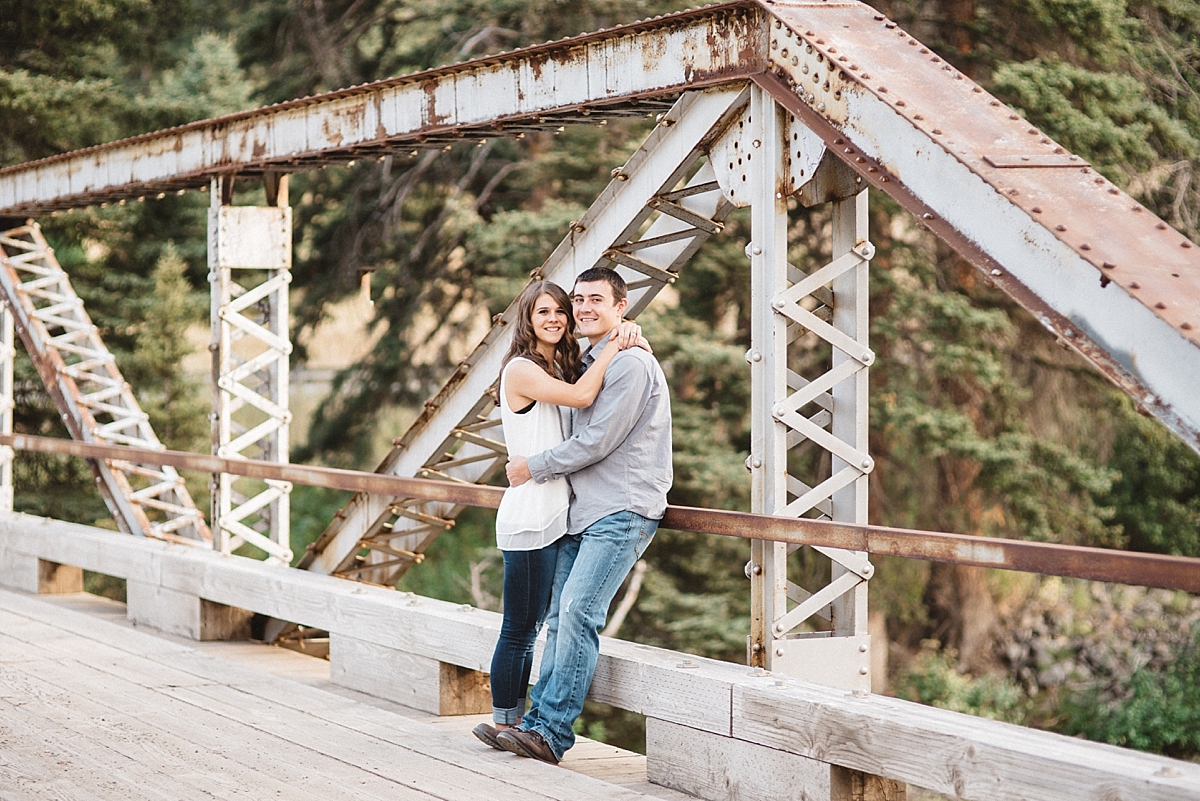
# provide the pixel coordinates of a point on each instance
(983, 760)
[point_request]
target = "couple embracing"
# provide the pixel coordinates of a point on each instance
(568, 547)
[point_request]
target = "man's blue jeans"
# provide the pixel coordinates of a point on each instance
(591, 568)
(528, 580)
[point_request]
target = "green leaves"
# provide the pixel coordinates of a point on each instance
(1160, 711)
(933, 679)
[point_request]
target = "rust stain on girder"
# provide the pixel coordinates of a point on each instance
(537, 63)
(864, 51)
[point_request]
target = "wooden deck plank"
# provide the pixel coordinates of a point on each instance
(460, 750)
(122, 680)
(404, 767)
(291, 720)
(146, 726)
(32, 764)
(607, 763)
(47, 753)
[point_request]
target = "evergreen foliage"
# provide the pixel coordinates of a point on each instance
(934, 679)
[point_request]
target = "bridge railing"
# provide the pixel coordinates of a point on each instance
(715, 729)
(1050, 559)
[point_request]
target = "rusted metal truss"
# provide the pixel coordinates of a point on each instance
(93, 399)
(1099, 270)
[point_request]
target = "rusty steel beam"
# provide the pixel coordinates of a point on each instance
(1096, 268)
(308, 475)
(1096, 564)
(630, 69)
(1049, 559)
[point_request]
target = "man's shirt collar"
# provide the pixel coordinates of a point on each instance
(590, 355)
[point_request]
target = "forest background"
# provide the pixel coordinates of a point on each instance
(980, 423)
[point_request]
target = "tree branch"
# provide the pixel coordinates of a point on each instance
(627, 602)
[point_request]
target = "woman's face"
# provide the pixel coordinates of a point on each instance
(549, 320)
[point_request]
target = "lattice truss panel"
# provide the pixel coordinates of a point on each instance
(657, 211)
(250, 272)
(806, 310)
(767, 157)
(92, 397)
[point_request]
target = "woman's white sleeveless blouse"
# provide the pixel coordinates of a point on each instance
(532, 515)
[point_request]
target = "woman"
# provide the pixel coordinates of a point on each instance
(542, 371)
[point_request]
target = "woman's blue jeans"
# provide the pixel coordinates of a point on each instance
(528, 580)
(591, 568)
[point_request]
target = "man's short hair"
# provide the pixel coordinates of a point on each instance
(610, 277)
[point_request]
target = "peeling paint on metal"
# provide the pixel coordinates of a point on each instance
(923, 133)
(976, 553)
(545, 86)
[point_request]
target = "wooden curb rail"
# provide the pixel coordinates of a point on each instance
(1096, 564)
(767, 724)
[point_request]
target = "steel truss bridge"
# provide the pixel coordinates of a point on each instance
(757, 103)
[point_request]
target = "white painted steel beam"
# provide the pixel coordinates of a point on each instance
(576, 80)
(756, 158)
(461, 418)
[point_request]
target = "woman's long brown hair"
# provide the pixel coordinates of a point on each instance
(567, 364)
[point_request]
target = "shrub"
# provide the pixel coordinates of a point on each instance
(934, 680)
(1160, 713)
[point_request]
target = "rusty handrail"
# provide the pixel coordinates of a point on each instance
(1097, 564)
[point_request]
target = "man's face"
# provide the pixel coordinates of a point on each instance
(595, 312)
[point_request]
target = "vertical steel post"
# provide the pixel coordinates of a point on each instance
(829, 410)
(250, 258)
(850, 316)
(768, 370)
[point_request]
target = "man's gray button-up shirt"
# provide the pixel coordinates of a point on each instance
(618, 456)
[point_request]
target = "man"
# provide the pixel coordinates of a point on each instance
(619, 461)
